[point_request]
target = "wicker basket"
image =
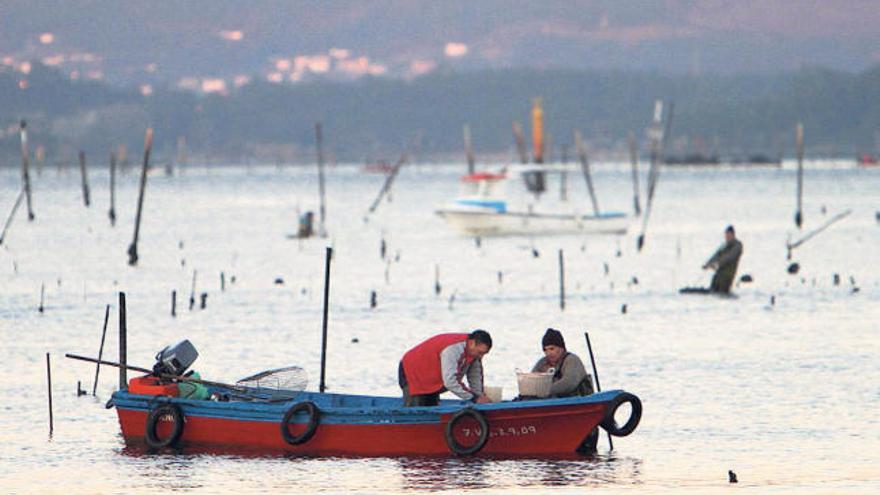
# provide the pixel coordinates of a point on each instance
(534, 384)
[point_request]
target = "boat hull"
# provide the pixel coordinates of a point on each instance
(527, 428)
(481, 222)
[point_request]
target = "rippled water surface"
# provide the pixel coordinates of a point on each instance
(785, 393)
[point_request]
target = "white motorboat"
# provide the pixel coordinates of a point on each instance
(483, 209)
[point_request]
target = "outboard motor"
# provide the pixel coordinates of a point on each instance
(175, 359)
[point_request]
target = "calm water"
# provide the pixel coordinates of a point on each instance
(786, 394)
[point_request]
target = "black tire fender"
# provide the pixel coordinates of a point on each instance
(611, 426)
(177, 418)
(480, 418)
(314, 420)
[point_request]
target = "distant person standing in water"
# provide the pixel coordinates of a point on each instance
(725, 262)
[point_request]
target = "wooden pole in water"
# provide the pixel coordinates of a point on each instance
(561, 281)
(468, 149)
(42, 296)
(585, 168)
(49, 379)
(112, 212)
(320, 150)
(658, 139)
(101, 349)
(25, 174)
(132, 249)
(123, 344)
(634, 161)
(389, 180)
(192, 292)
(596, 376)
(328, 256)
(174, 303)
(84, 174)
(520, 143)
(799, 138)
(11, 215)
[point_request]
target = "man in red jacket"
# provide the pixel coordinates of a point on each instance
(440, 364)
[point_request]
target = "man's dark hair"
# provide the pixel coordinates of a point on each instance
(481, 337)
(730, 230)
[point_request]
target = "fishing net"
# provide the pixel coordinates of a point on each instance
(280, 382)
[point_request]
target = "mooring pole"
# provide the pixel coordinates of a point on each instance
(329, 256)
(49, 378)
(84, 174)
(132, 249)
(25, 174)
(123, 343)
(101, 349)
(596, 376)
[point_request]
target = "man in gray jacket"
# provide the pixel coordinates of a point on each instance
(570, 377)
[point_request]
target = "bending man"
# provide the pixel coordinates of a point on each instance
(725, 262)
(440, 364)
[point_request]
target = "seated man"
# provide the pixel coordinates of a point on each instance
(440, 364)
(570, 378)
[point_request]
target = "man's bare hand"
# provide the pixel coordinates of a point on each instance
(483, 400)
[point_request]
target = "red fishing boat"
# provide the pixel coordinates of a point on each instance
(322, 424)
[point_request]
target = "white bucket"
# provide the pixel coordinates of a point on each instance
(534, 384)
(493, 393)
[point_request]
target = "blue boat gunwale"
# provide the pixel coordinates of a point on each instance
(367, 412)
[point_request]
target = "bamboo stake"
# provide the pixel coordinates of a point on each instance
(585, 168)
(320, 150)
(101, 349)
(386, 187)
(658, 139)
(83, 172)
(634, 161)
(561, 281)
(329, 257)
(799, 138)
(49, 380)
(12, 214)
(25, 175)
(132, 249)
(112, 212)
(123, 344)
(831, 221)
(468, 149)
(520, 143)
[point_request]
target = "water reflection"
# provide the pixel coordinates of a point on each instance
(181, 468)
(458, 473)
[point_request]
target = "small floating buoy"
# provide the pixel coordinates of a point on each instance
(794, 268)
(731, 477)
(354, 340)
(746, 278)
(634, 280)
(279, 281)
(535, 253)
